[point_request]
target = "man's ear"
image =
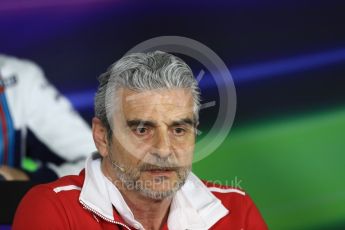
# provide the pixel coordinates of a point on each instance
(99, 133)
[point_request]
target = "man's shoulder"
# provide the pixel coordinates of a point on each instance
(52, 203)
(242, 209)
(67, 185)
(227, 194)
(217, 188)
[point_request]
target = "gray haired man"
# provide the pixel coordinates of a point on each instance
(146, 114)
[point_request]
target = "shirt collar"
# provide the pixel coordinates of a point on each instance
(193, 206)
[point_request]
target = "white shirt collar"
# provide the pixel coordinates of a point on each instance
(193, 206)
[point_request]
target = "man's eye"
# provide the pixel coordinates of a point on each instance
(141, 131)
(179, 131)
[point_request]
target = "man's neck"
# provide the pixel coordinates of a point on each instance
(151, 213)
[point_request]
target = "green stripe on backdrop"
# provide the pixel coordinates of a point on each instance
(294, 169)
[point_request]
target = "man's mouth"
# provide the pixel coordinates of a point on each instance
(161, 171)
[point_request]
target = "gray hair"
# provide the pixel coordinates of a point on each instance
(143, 72)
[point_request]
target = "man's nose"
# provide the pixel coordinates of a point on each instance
(162, 146)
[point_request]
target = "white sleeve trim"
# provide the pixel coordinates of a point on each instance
(66, 188)
(228, 190)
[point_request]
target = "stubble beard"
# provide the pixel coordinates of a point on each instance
(130, 179)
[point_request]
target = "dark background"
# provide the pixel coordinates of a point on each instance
(287, 60)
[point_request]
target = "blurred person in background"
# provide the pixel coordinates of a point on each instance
(29, 103)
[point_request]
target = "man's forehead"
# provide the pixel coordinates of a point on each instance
(177, 97)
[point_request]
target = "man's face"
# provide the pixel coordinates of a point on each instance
(153, 140)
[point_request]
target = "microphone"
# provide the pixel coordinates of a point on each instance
(115, 165)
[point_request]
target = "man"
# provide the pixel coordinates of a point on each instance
(29, 103)
(144, 129)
